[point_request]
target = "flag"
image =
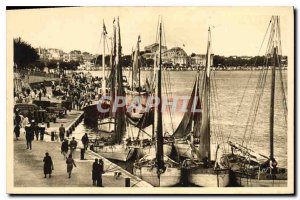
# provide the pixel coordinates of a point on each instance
(139, 38)
(183, 45)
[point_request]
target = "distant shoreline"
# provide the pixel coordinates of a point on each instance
(170, 69)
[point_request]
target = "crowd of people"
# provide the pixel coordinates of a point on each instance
(80, 89)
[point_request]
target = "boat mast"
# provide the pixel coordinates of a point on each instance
(138, 61)
(159, 134)
(132, 66)
(103, 61)
(273, 73)
(208, 65)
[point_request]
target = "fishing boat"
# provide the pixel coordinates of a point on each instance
(136, 96)
(158, 170)
(186, 133)
(114, 147)
(143, 116)
(92, 114)
(252, 169)
(203, 171)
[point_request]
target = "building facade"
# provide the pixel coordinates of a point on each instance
(175, 56)
(200, 60)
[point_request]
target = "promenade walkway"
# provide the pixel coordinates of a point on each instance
(28, 164)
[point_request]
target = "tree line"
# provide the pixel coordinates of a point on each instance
(26, 57)
(236, 61)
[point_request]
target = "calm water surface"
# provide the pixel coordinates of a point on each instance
(232, 86)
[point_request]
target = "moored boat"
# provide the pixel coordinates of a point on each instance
(159, 170)
(204, 171)
(252, 169)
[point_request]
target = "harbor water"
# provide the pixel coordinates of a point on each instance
(231, 88)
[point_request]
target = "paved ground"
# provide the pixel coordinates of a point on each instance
(28, 165)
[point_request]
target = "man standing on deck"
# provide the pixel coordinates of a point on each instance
(73, 145)
(85, 141)
(62, 131)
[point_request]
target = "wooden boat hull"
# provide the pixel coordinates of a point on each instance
(209, 177)
(152, 151)
(250, 182)
(170, 177)
(116, 152)
(107, 125)
(92, 114)
(184, 150)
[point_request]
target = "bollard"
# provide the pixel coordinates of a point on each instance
(52, 136)
(48, 124)
(68, 133)
(127, 182)
(82, 151)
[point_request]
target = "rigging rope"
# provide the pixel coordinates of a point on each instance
(247, 84)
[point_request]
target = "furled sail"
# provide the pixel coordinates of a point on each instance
(135, 65)
(185, 126)
(120, 111)
(205, 125)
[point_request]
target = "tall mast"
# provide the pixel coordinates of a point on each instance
(273, 73)
(205, 125)
(138, 61)
(132, 68)
(103, 61)
(159, 134)
(272, 104)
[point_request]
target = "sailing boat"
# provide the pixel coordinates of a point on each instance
(105, 124)
(136, 93)
(92, 115)
(158, 170)
(250, 168)
(203, 171)
(186, 133)
(115, 147)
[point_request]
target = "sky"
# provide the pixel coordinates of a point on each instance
(235, 30)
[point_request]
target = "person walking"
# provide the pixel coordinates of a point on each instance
(65, 148)
(62, 131)
(70, 163)
(73, 145)
(36, 131)
(85, 141)
(40, 95)
(48, 165)
(29, 135)
(100, 171)
(17, 131)
(94, 172)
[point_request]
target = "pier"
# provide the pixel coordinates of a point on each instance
(29, 163)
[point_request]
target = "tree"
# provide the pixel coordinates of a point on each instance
(24, 54)
(127, 60)
(149, 62)
(99, 60)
